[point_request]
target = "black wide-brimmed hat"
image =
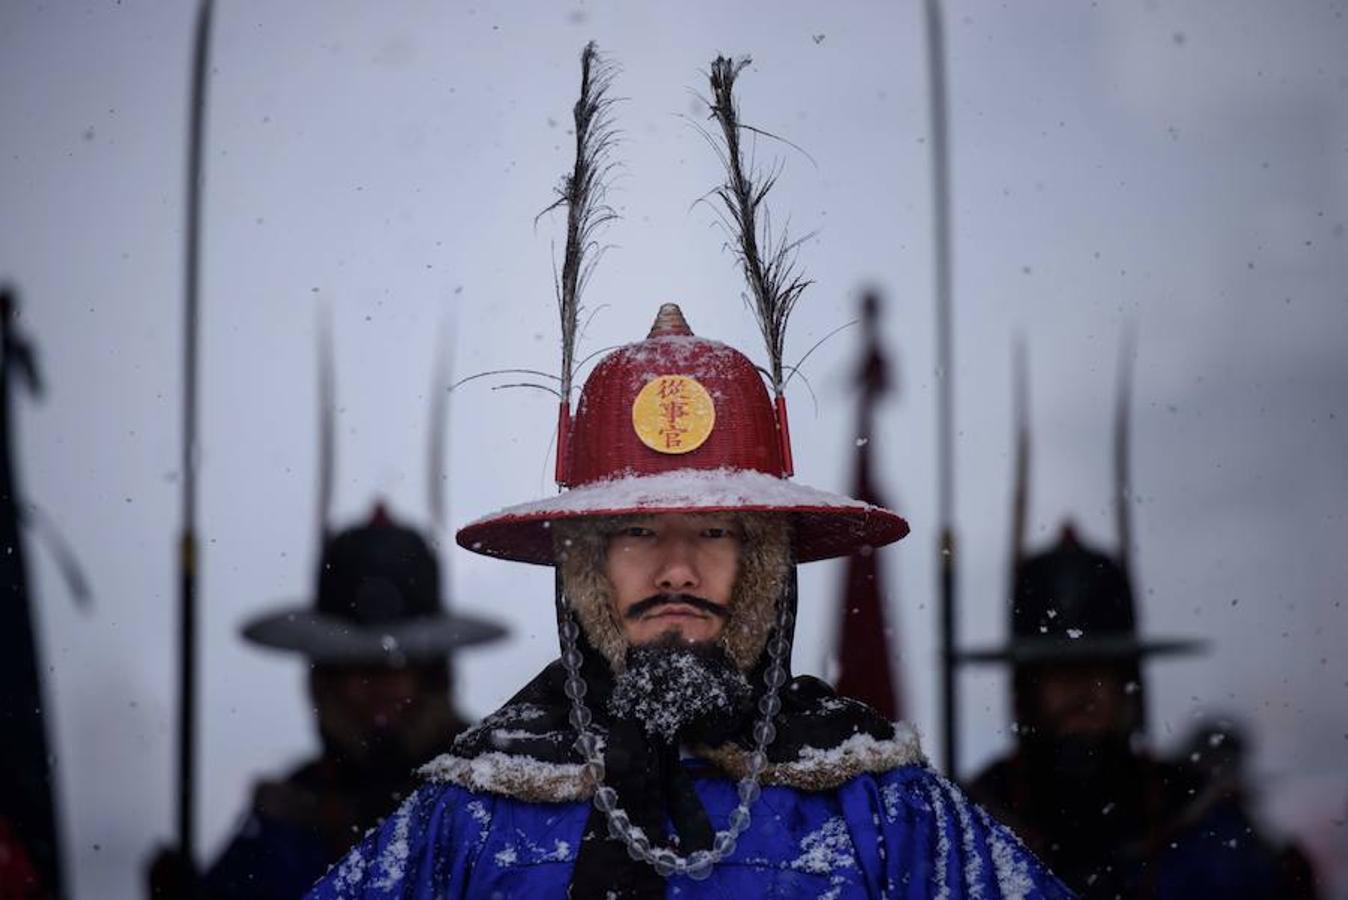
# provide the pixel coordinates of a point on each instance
(1073, 603)
(378, 603)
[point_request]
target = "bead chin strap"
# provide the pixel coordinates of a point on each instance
(666, 862)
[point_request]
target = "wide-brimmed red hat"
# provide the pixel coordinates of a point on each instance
(676, 424)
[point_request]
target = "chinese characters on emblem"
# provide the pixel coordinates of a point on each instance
(673, 414)
(675, 398)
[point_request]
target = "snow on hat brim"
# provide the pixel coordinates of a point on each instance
(334, 640)
(825, 525)
(1105, 648)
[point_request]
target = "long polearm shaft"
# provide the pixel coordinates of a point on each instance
(945, 462)
(187, 549)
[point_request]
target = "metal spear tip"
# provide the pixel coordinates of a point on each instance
(379, 516)
(870, 307)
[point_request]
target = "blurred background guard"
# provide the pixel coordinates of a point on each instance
(1217, 750)
(1082, 787)
(378, 638)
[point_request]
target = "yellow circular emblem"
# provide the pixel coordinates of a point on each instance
(673, 414)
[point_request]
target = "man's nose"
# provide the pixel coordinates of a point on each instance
(677, 572)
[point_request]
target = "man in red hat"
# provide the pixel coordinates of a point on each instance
(669, 751)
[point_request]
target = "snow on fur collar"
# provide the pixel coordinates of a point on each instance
(823, 769)
(523, 750)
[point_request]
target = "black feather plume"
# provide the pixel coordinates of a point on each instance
(583, 192)
(768, 260)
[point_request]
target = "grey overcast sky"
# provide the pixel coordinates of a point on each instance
(1179, 166)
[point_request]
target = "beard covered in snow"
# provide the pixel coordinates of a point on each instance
(681, 691)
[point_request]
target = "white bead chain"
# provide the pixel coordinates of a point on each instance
(666, 862)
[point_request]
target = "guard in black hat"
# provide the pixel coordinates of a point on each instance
(1082, 786)
(378, 637)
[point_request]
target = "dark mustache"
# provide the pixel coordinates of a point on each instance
(641, 607)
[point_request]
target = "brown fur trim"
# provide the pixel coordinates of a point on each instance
(521, 777)
(824, 770)
(582, 545)
(764, 558)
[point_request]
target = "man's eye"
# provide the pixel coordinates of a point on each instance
(716, 532)
(637, 531)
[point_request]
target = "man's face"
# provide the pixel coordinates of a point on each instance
(673, 574)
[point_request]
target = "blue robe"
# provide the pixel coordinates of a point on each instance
(904, 833)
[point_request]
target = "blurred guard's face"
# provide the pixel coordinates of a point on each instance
(1085, 700)
(371, 712)
(673, 574)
